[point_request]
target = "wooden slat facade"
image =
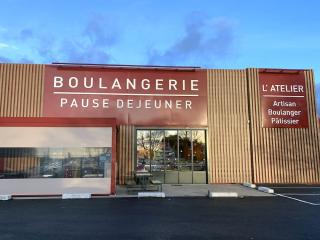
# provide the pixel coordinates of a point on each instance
(21, 95)
(21, 90)
(228, 128)
(239, 149)
(283, 155)
(125, 153)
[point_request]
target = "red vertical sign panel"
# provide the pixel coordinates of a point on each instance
(283, 99)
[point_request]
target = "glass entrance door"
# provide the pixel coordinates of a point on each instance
(185, 156)
(172, 156)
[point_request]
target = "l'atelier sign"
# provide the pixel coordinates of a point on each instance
(133, 96)
(283, 100)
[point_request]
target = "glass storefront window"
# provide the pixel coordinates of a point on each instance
(171, 150)
(157, 151)
(199, 150)
(87, 162)
(143, 150)
(172, 156)
(185, 150)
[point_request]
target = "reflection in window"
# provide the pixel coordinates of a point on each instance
(55, 162)
(171, 150)
(199, 150)
(157, 151)
(143, 150)
(185, 150)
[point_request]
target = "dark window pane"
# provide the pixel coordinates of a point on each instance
(172, 156)
(171, 150)
(143, 150)
(199, 150)
(185, 149)
(55, 162)
(157, 150)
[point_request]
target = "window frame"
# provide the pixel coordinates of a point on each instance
(140, 128)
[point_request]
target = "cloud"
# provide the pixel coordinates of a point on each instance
(4, 60)
(100, 32)
(26, 34)
(2, 29)
(46, 48)
(25, 60)
(20, 60)
(205, 41)
(5, 45)
(91, 44)
(77, 52)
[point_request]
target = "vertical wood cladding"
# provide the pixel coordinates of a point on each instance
(21, 95)
(21, 90)
(125, 153)
(277, 155)
(283, 155)
(228, 127)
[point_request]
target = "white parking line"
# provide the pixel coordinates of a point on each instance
(296, 199)
(302, 194)
(297, 187)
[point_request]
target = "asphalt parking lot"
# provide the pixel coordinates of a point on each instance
(167, 218)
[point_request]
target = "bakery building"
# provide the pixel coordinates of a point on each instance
(72, 128)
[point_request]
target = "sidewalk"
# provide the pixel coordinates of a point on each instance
(196, 190)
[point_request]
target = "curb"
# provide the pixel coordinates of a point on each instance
(266, 189)
(152, 194)
(222, 194)
(76, 195)
(249, 185)
(5, 197)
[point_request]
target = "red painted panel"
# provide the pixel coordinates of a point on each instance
(283, 99)
(56, 122)
(146, 97)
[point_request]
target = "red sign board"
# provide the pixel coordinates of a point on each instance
(283, 99)
(148, 97)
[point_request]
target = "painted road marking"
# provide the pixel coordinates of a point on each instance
(296, 199)
(302, 194)
(297, 187)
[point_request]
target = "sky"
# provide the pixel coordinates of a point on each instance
(229, 34)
